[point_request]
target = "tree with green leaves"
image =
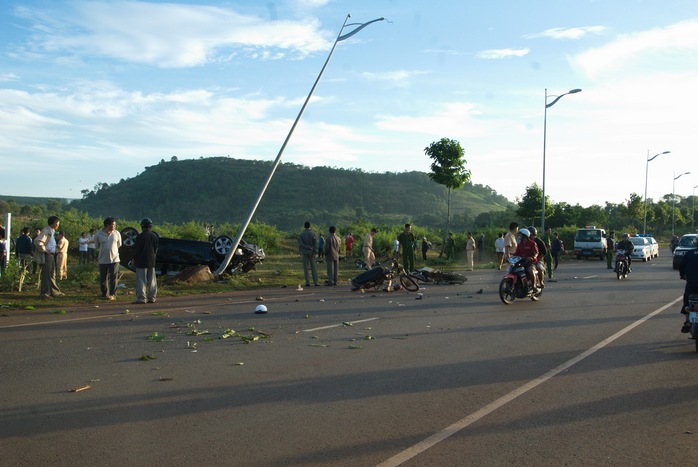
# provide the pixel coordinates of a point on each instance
(448, 169)
(530, 204)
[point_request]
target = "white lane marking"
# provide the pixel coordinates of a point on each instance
(61, 321)
(140, 311)
(436, 438)
(338, 325)
(590, 277)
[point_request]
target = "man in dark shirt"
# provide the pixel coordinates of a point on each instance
(688, 270)
(24, 248)
(144, 254)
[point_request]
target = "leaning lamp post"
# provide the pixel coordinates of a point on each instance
(647, 166)
(673, 200)
(545, 134)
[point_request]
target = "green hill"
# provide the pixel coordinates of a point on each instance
(221, 189)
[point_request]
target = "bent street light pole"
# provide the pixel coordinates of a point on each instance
(673, 200)
(545, 134)
(647, 166)
(257, 200)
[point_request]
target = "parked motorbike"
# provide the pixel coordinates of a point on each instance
(622, 267)
(515, 284)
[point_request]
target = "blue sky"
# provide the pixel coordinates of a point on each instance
(95, 91)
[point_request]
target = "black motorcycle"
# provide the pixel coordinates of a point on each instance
(622, 267)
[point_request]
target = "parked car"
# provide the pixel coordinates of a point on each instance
(175, 254)
(654, 246)
(642, 248)
(687, 243)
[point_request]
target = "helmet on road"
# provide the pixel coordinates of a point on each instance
(525, 233)
(146, 223)
(260, 309)
(533, 230)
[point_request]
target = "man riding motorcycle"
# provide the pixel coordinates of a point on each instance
(542, 251)
(528, 249)
(626, 245)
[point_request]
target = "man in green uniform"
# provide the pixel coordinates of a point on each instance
(450, 247)
(610, 247)
(406, 239)
(547, 239)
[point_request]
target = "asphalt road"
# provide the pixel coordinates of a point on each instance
(595, 373)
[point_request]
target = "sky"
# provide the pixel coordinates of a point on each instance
(95, 91)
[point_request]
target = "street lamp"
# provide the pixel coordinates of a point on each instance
(545, 133)
(673, 200)
(647, 166)
(693, 211)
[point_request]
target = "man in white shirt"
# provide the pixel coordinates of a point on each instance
(108, 241)
(45, 244)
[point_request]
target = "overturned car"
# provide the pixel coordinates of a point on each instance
(174, 255)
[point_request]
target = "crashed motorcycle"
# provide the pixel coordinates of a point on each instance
(622, 267)
(515, 284)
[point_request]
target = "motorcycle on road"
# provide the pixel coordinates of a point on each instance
(515, 284)
(622, 268)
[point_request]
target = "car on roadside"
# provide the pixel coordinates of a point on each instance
(654, 246)
(175, 255)
(687, 243)
(642, 249)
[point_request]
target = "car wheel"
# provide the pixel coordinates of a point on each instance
(128, 236)
(222, 244)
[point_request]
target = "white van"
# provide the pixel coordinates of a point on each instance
(590, 242)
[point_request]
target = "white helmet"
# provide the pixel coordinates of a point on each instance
(525, 233)
(260, 309)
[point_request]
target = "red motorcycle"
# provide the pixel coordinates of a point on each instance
(515, 284)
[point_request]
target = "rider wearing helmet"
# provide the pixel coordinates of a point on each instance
(542, 251)
(528, 249)
(626, 245)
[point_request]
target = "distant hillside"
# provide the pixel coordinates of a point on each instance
(221, 190)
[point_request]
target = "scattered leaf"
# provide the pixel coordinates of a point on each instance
(319, 345)
(369, 338)
(147, 358)
(28, 307)
(58, 312)
(355, 347)
(347, 323)
(240, 363)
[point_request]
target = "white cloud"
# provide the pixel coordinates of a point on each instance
(567, 33)
(496, 54)
(673, 47)
(167, 34)
(396, 77)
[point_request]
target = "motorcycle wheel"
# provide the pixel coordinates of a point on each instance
(620, 270)
(408, 283)
(506, 291)
(536, 296)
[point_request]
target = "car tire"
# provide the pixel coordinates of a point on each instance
(128, 236)
(221, 245)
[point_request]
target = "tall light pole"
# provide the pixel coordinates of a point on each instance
(647, 166)
(673, 200)
(693, 211)
(545, 135)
